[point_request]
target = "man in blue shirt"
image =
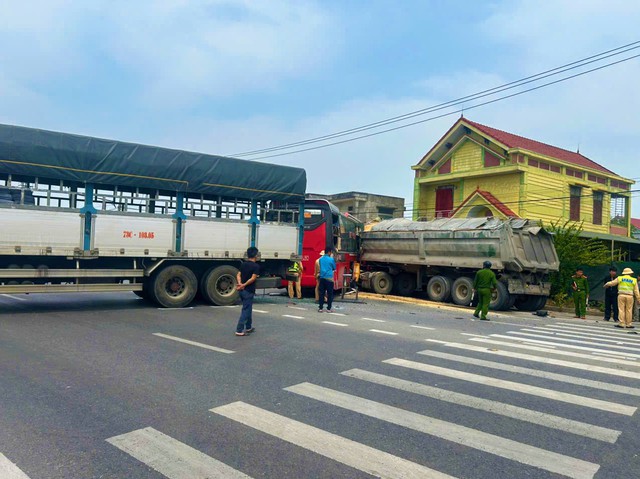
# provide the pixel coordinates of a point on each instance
(327, 270)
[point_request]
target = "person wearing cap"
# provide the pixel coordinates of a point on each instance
(580, 286)
(611, 296)
(627, 291)
(484, 282)
(316, 274)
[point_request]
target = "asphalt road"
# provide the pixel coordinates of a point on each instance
(105, 386)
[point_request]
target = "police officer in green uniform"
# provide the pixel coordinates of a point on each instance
(580, 287)
(484, 282)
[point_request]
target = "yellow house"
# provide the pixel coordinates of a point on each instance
(475, 170)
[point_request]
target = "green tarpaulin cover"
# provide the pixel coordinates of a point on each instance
(61, 156)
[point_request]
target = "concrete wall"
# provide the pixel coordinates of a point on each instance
(366, 206)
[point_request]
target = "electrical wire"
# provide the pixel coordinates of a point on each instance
(492, 91)
(449, 113)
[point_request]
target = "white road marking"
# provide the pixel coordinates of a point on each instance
(297, 307)
(586, 326)
(499, 446)
(336, 314)
(607, 355)
(528, 371)
(495, 407)
(172, 458)
(422, 327)
(334, 324)
(228, 306)
(556, 334)
(383, 332)
(292, 316)
(14, 297)
(562, 353)
(180, 309)
(374, 320)
(604, 336)
(518, 387)
(474, 335)
(564, 345)
(260, 311)
(364, 458)
(194, 343)
(8, 470)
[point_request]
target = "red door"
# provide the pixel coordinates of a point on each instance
(444, 202)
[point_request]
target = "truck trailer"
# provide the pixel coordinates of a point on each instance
(84, 214)
(442, 256)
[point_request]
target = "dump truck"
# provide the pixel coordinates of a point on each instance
(442, 256)
(85, 214)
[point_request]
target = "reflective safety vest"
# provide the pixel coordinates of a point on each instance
(627, 285)
(294, 268)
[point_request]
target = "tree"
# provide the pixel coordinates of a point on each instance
(573, 252)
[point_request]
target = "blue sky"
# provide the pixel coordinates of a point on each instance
(224, 76)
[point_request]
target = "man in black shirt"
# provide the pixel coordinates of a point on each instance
(611, 296)
(246, 277)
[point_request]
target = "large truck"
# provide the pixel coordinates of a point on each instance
(83, 214)
(442, 256)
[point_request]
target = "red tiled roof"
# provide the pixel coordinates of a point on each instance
(492, 200)
(635, 222)
(514, 141)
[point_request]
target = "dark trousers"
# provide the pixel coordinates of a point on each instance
(610, 304)
(247, 308)
(326, 286)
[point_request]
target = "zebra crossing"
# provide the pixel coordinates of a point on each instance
(512, 366)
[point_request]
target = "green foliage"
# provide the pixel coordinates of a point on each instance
(573, 252)
(561, 298)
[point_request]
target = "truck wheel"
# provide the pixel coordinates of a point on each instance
(218, 285)
(500, 298)
(528, 302)
(439, 288)
(381, 283)
(462, 291)
(404, 284)
(174, 287)
(540, 302)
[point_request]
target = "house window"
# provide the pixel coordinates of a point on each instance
(597, 207)
(444, 201)
(445, 168)
(574, 173)
(619, 184)
(385, 212)
(533, 163)
(350, 209)
(555, 168)
(490, 159)
(574, 203)
(618, 210)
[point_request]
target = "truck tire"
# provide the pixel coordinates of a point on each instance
(439, 288)
(218, 285)
(530, 303)
(404, 284)
(462, 291)
(500, 298)
(174, 287)
(541, 301)
(381, 282)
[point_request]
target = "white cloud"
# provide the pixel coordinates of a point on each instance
(185, 51)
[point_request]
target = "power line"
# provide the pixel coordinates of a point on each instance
(632, 194)
(472, 107)
(492, 91)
